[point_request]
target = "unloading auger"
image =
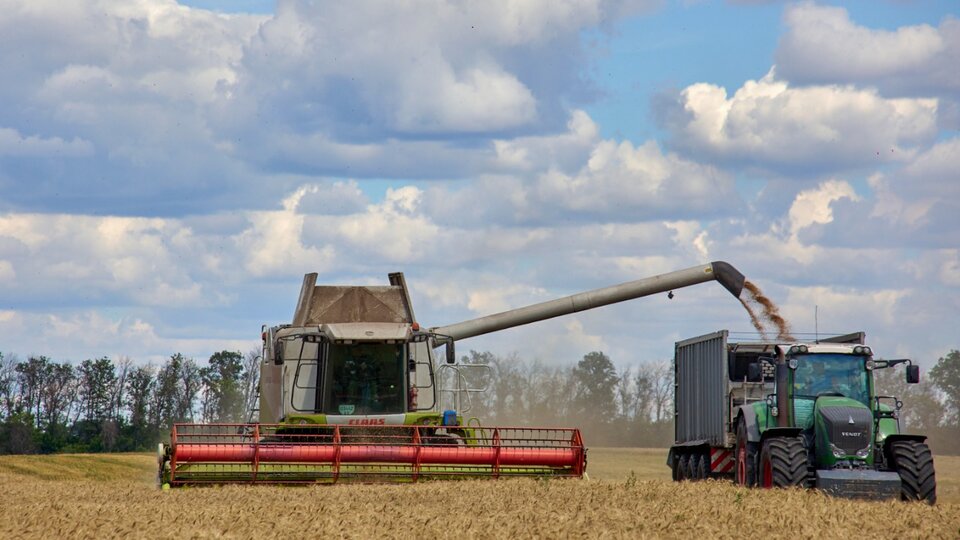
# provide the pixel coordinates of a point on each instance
(350, 391)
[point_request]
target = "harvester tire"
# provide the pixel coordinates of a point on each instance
(682, 466)
(745, 456)
(914, 463)
(783, 462)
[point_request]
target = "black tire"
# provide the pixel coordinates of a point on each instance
(675, 467)
(703, 467)
(745, 458)
(691, 472)
(914, 463)
(682, 467)
(783, 462)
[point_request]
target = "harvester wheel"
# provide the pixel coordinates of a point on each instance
(914, 463)
(783, 462)
(682, 466)
(702, 469)
(745, 458)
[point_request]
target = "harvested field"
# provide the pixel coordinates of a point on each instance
(113, 495)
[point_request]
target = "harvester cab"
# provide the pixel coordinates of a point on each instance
(352, 390)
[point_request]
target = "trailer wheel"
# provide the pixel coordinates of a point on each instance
(745, 458)
(783, 462)
(703, 468)
(682, 467)
(914, 463)
(691, 472)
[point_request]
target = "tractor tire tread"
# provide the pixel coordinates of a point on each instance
(913, 461)
(788, 460)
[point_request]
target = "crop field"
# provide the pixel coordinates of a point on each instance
(628, 495)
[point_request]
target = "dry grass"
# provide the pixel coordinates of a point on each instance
(113, 496)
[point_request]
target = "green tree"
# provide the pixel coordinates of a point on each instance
(223, 396)
(596, 382)
(98, 379)
(946, 375)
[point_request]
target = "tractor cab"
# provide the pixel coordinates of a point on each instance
(826, 391)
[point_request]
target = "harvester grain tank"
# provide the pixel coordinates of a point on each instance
(774, 414)
(351, 391)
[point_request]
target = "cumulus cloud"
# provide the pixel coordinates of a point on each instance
(13, 144)
(823, 45)
(579, 176)
(914, 206)
(770, 125)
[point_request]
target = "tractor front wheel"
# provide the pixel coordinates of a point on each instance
(746, 458)
(914, 463)
(783, 462)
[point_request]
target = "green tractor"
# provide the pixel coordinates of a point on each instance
(825, 426)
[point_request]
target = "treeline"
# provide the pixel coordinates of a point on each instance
(630, 406)
(101, 405)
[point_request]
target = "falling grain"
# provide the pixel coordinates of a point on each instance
(770, 311)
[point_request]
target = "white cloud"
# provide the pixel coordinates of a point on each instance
(822, 45)
(13, 144)
(768, 124)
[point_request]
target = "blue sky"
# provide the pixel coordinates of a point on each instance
(168, 172)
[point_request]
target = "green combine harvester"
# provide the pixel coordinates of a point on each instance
(795, 414)
(351, 391)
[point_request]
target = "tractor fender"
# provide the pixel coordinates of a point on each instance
(750, 417)
(892, 438)
(780, 432)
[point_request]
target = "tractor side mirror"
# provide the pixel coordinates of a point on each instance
(451, 353)
(913, 374)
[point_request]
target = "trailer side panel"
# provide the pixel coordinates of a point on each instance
(700, 403)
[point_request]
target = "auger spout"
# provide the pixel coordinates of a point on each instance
(723, 272)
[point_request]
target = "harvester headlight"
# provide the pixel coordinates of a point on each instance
(863, 453)
(869, 365)
(793, 363)
(837, 452)
(794, 350)
(803, 349)
(867, 351)
(858, 350)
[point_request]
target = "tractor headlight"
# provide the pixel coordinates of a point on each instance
(837, 452)
(863, 453)
(869, 365)
(793, 363)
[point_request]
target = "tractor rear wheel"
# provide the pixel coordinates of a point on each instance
(783, 462)
(745, 455)
(914, 463)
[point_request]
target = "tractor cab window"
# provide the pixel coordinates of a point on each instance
(366, 378)
(831, 374)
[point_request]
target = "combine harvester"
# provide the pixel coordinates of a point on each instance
(351, 391)
(775, 414)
